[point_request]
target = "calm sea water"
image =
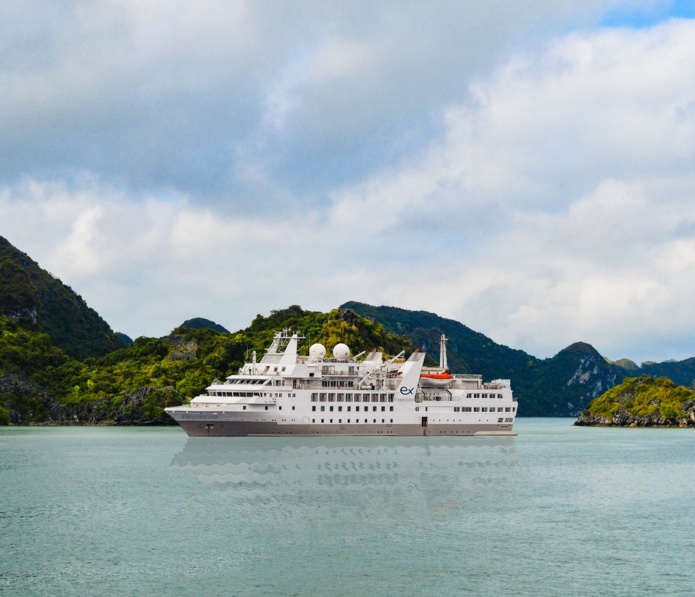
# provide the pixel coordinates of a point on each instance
(557, 510)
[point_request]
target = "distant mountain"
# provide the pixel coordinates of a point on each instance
(200, 323)
(560, 386)
(680, 372)
(124, 338)
(35, 299)
(565, 384)
(626, 364)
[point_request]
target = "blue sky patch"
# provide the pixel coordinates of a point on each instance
(679, 9)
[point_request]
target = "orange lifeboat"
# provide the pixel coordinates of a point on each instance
(441, 379)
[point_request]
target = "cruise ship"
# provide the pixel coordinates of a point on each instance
(288, 394)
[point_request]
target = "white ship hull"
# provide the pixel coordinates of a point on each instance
(218, 428)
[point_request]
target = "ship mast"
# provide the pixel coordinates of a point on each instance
(442, 353)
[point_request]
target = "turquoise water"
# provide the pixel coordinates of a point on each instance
(557, 510)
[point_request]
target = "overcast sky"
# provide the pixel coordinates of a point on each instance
(526, 168)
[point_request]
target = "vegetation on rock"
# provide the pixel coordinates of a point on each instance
(200, 323)
(38, 301)
(642, 402)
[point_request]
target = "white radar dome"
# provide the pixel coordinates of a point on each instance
(317, 351)
(341, 351)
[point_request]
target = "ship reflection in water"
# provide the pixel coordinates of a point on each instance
(434, 474)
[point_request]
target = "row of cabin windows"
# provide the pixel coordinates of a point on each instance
(484, 409)
(357, 408)
(336, 383)
(266, 408)
(477, 409)
(349, 397)
(349, 420)
(250, 394)
(470, 395)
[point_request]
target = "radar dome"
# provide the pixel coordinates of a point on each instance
(341, 351)
(317, 351)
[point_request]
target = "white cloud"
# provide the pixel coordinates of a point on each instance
(174, 94)
(246, 156)
(580, 159)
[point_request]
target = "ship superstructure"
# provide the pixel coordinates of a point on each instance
(288, 394)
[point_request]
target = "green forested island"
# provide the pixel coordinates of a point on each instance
(61, 363)
(642, 402)
(39, 383)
